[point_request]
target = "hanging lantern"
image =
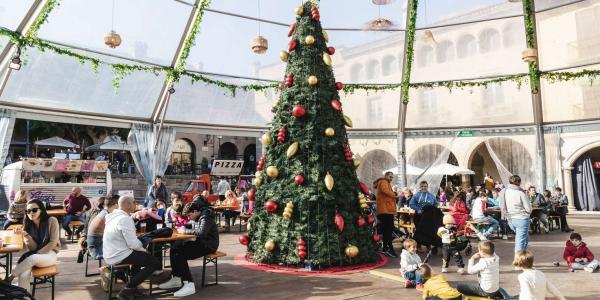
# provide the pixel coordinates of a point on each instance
(259, 44)
(382, 2)
(380, 23)
(428, 36)
(529, 55)
(112, 39)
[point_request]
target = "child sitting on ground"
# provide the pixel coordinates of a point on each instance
(488, 269)
(409, 263)
(450, 245)
(436, 287)
(578, 256)
(533, 283)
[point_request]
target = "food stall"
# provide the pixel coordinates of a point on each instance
(51, 180)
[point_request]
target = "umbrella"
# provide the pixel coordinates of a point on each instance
(111, 143)
(56, 142)
(448, 169)
(410, 170)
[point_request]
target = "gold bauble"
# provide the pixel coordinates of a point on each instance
(351, 251)
(299, 10)
(325, 36)
(364, 206)
(290, 205)
(270, 245)
(329, 132)
(347, 121)
(257, 181)
(287, 215)
(309, 40)
(257, 174)
(266, 139)
(327, 58)
(292, 149)
(272, 171)
(329, 182)
(312, 80)
(284, 55)
(357, 162)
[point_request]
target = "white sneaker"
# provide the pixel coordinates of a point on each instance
(505, 237)
(588, 269)
(481, 236)
(461, 271)
(173, 283)
(444, 270)
(187, 289)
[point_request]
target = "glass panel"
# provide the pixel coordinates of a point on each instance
(12, 12)
(150, 30)
(441, 12)
(60, 82)
(579, 38)
(376, 156)
(550, 4)
(494, 105)
(571, 100)
(468, 51)
(372, 110)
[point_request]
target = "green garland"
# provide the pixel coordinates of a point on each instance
(530, 38)
(410, 45)
(41, 18)
(175, 74)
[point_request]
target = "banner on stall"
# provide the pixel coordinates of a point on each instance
(226, 167)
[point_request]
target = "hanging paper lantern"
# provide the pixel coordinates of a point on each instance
(292, 149)
(339, 221)
(112, 39)
(329, 182)
(351, 251)
(244, 240)
(259, 45)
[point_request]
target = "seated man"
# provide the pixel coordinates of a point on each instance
(75, 204)
(120, 245)
(206, 242)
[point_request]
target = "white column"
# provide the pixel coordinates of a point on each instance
(568, 188)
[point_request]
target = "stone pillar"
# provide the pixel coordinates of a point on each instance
(568, 188)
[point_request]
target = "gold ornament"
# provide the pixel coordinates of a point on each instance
(284, 55)
(309, 40)
(270, 245)
(299, 10)
(327, 58)
(356, 163)
(312, 80)
(329, 132)
(112, 39)
(287, 215)
(272, 171)
(290, 205)
(325, 36)
(259, 45)
(329, 182)
(351, 251)
(257, 174)
(347, 121)
(292, 149)
(266, 139)
(257, 181)
(364, 206)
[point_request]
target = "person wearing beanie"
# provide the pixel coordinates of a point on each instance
(450, 244)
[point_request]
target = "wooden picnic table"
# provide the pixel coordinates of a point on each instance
(12, 242)
(224, 207)
(57, 212)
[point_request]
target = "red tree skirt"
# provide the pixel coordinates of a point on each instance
(241, 261)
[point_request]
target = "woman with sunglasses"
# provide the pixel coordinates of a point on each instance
(40, 234)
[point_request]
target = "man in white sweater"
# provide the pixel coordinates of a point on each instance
(120, 245)
(516, 209)
(488, 268)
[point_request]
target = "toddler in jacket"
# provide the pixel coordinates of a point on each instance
(409, 264)
(578, 256)
(451, 247)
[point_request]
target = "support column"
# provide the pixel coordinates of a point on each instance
(568, 188)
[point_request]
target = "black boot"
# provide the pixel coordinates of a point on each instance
(126, 293)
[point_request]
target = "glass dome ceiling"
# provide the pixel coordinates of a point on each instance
(455, 40)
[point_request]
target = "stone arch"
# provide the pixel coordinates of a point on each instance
(424, 155)
(228, 151)
(250, 159)
(516, 159)
(570, 161)
(373, 164)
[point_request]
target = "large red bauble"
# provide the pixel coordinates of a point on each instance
(364, 188)
(244, 239)
(292, 29)
(361, 221)
(376, 237)
(331, 50)
(337, 105)
(299, 179)
(300, 242)
(302, 247)
(339, 85)
(251, 194)
(292, 45)
(371, 219)
(298, 111)
(339, 222)
(271, 206)
(302, 254)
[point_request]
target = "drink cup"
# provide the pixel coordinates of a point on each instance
(143, 227)
(169, 225)
(159, 226)
(7, 239)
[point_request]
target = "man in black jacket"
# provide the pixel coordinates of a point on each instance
(207, 241)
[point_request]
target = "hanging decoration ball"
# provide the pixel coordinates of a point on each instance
(309, 40)
(339, 221)
(289, 79)
(361, 221)
(270, 245)
(259, 44)
(292, 149)
(347, 121)
(329, 132)
(257, 174)
(331, 50)
(257, 181)
(364, 206)
(329, 182)
(301, 242)
(250, 194)
(284, 55)
(112, 39)
(312, 80)
(327, 59)
(271, 206)
(376, 237)
(292, 29)
(351, 251)
(339, 85)
(314, 12)
(299, 179)
(287, 215)
(301, 254)
(325, 36)
(337, 105)
(244, 239)
(266, 139)
(292, 45)
(299, 10)
(347, 154)
(288, 210)
(371, 219)
(272, 171)
(281, 135)
(298, 111)
(363, 187)
(357, 163)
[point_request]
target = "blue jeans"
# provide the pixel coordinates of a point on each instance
(521, 229)
(94, 246)
(494, 224)
(67, 219)
(414, 277)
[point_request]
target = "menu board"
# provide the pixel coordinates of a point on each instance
(87, 165)
(61, 165)
(74, 166)
(64, 165)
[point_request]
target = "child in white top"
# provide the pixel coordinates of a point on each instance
(488, 269)
(533, 283)
(409, 264)
(450, 245)
(478, 214)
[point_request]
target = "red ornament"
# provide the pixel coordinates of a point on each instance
(292, 29)
(292, 45)
(376, 237)
(337, 105)
(298, 111)
(281, 135)
(339, 85)
(364, 188)
(299, 179)
(244, 240)
(302, 254)
(289, 80)
(271, 206)
(339, 222)
(371, 219)
(302, 247)
(361, 221)
(316, 16)
(348, 154)
(331, 50)
(300, 242)
(251, 194)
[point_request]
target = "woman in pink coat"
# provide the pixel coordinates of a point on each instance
(459, 210)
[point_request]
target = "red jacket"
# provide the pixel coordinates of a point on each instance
(571, 252)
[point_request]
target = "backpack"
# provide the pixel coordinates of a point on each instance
(12, 292)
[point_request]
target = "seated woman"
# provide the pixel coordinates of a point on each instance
(16, 210)
(459, 210)
(233, 213)
(40, 234)
(95, 227)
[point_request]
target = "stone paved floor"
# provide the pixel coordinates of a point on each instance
(239, 283)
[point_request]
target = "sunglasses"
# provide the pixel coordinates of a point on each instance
(32, 211)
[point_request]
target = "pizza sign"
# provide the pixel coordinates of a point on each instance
(226, 167)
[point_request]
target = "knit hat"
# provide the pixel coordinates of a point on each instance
(448, 219)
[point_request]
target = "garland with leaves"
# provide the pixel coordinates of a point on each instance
(410, 45)
(530, 37)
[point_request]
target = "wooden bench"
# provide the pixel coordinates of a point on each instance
(479, 224)
(211, 258)
(87, 259)
(111, 275)
(74, 226)
(554, 220)
(43, 275)
(244, 217)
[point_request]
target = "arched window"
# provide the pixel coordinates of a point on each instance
(356, 73)
(427, 101)
(373, 69)
(425, 56)
(493, 95)
(466, 46)
(489, 40)
(445, 52)
(510, 34)
(388, 65)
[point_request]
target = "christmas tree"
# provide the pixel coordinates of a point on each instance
(309, 205)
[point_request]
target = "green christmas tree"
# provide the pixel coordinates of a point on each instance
(309, 207)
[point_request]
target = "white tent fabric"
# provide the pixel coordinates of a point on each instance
(111, 143)
(430, 173)
(410, 170)
(504, 172)
(7, 123)
(56, 142)
(448, 169)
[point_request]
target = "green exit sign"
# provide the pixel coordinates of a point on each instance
(465, 133)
